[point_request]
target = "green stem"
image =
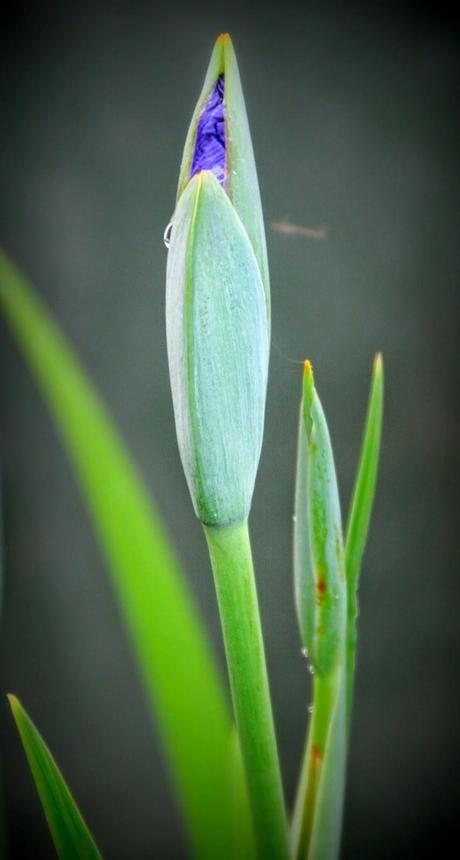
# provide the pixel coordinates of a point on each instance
(323, 697)
(324, 752)
(316, 824)
(352, 641)
(230, 552)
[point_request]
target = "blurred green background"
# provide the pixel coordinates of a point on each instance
(354, 111)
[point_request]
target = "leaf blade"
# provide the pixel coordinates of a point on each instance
(366, 479)
(71, 836)
(181, 677)
(360, 513)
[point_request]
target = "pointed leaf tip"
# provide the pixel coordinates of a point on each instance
(378, 363)
(308, 396)
(71, 837)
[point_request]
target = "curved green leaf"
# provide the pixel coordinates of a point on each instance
(181, 677)
(70, 834)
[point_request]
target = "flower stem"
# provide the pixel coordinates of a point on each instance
(230, 553)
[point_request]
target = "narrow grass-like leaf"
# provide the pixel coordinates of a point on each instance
(360, 513)
(181, 677)
(321, 607)
(70, 834)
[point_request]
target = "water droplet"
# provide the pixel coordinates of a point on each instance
(294, 518)
(311, 669)
(310, 709)
(304, 652)
(167, 235)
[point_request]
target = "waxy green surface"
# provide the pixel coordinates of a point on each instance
(218, 351)
(319, 568)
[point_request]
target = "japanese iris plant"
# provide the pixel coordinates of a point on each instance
(224, 765)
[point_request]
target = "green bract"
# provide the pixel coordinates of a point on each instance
(218, 351)
(319, 568)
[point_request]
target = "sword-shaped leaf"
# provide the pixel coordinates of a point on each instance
(360, 513)
(179, 670)
(71, 837)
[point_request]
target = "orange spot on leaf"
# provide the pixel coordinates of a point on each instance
(316, 754)
(321, 588)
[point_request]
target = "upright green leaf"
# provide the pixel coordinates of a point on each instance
(179, 671)
(360, 512)
(70, 834)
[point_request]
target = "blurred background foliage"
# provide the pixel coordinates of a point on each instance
(354, 111)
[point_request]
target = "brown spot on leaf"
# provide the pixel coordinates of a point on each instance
(316, 754)
(321, 588)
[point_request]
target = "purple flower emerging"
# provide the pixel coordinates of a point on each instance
(209, 151)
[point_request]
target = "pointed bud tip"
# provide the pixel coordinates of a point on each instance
(200, 178)
(308, 377)
(203, 179)
(224, 39)
(308, 395)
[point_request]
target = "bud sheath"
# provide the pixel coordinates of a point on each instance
(218, 351)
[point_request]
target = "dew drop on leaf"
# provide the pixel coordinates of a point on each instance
(167, 235)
